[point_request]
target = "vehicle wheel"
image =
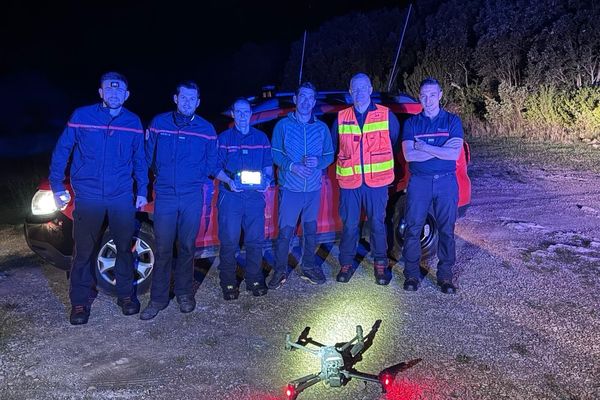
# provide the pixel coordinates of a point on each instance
(429, 235)
(144, 250)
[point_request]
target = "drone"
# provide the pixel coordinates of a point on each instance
(337, 362)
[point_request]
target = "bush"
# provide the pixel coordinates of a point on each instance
(564, 115)
(505, 114)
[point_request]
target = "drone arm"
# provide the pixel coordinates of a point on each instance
(362, 376)
(359, 339)
(291, 345)
(305, 382)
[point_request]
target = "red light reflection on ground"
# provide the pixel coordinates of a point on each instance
(405, 390)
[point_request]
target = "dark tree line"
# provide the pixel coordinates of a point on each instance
(510, 67)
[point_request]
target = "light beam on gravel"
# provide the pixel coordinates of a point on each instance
(332, 316)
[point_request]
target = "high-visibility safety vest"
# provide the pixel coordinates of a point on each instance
(377, 154)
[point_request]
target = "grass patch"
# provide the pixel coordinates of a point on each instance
(574, 156)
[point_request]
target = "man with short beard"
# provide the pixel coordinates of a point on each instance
(302, 149)
(105, 143)
(181, 148)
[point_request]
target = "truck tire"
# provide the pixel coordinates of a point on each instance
(429, 234)
(144, 251)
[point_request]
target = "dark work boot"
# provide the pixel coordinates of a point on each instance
(258, 288)
(79, 314)
(231, 292)
(447, 287)
(313, 275)
(345, 273)
(383, 274)
(411, 284)
(152, 310)
(129, 306)
(277, 280)
(187, 303)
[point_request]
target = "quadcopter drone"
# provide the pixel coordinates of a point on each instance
(337, 362)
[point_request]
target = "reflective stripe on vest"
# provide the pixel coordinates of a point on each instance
(378, 157)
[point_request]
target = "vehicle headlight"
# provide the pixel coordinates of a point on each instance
(43, 203)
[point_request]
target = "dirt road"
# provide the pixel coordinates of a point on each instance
(524, 325)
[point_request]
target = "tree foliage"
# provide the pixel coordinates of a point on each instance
(527, 67)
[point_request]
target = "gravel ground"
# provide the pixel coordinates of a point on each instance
(524, 325)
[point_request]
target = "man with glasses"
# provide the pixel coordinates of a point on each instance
(365, 134)
(105, 143)
(245, 168)
(181, 148)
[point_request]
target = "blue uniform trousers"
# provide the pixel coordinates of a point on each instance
(441, 192)
(374, 201)
(243, 210)
(176, 217)
(291, 206)
(88, 219)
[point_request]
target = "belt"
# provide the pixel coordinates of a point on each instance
(436, 176)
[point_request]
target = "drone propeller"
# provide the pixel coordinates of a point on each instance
(397, 368)
(304, 339)
(387, 376)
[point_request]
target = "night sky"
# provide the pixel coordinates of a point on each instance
(53, 53)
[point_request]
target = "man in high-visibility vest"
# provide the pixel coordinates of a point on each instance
(366, 136)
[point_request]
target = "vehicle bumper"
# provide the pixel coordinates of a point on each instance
(50, 236)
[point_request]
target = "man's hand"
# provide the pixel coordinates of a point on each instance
(311, 161)
(420, 145)
(140, 201)
(232, 187)
(301, 170)
(61, 199)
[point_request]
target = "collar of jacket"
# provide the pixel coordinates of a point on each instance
(312, 120)
(371, 107)
(106, 110)
(182, 120)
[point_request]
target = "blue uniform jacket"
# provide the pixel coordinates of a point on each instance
(107, 152)
(238, 152)
(436, 132)
(182, 156)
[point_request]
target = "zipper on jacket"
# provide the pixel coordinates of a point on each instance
(104, 155)
(305, 149)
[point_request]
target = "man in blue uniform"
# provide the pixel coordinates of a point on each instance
(181, 148)
(243, 152)
(431, 142)
(302, 149)
(106, 143)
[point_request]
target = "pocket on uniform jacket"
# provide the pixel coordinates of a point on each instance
(164, 147)
(89, 141)
(380, 157)
(125, 147)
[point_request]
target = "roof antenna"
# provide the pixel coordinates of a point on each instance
(302, 59)
(393, 74)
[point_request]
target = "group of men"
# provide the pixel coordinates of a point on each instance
(107, 156)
